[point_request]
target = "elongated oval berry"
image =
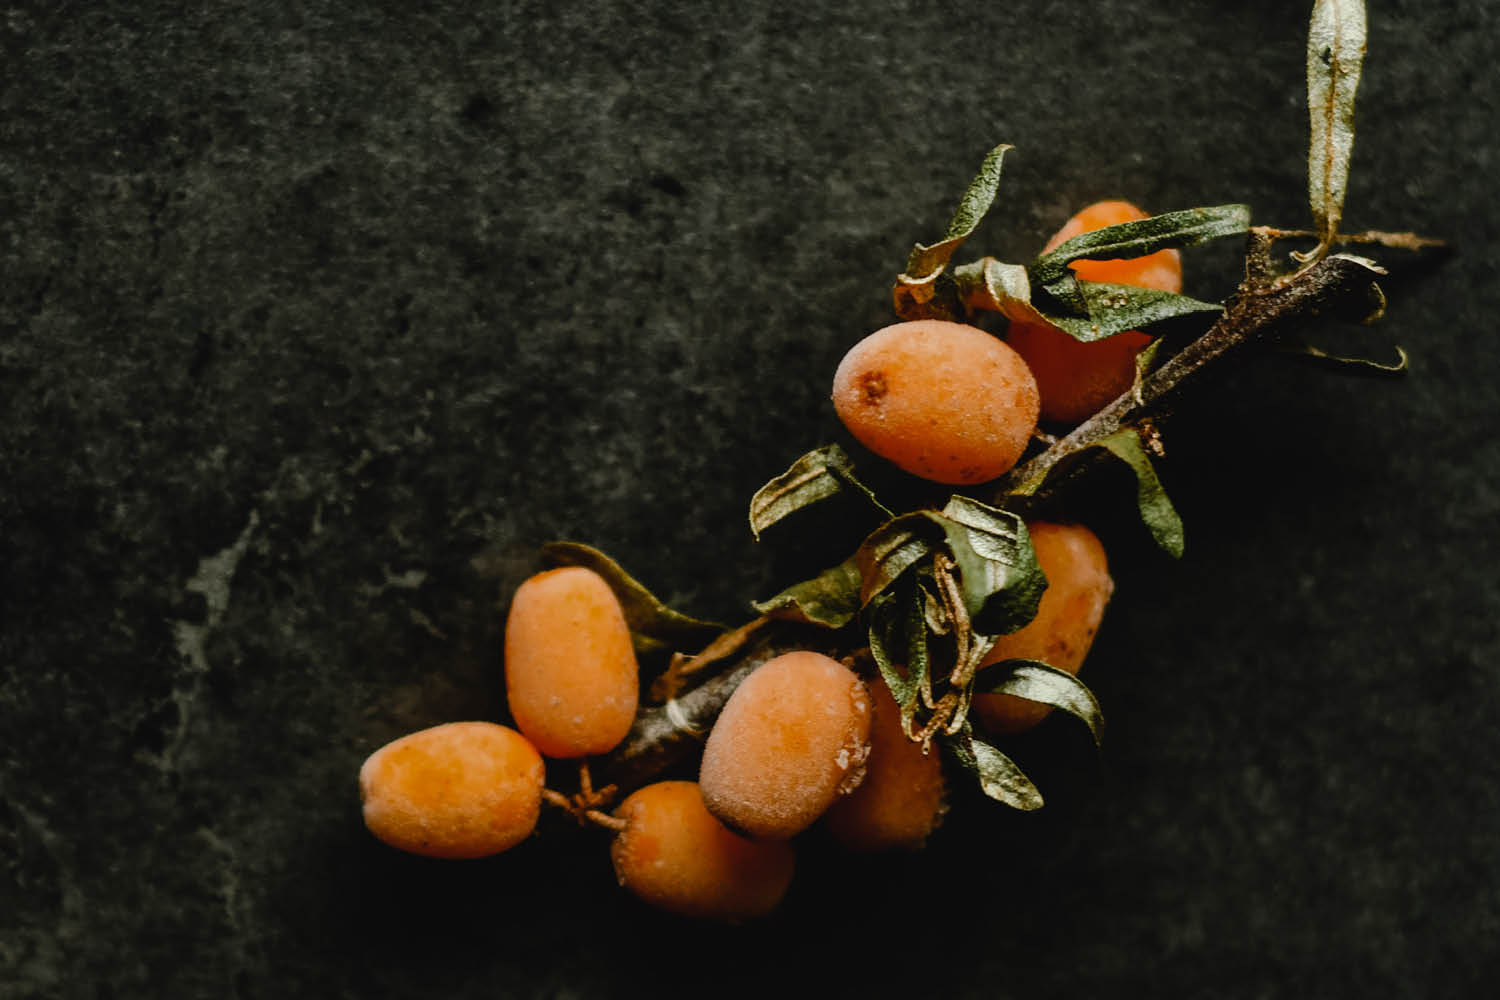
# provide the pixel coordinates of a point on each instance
(675, 855)
(901, 799)
(460, 790)
(570, 671)
(790, 740)
(1078, 589)
(1076, 380)
(943, 401)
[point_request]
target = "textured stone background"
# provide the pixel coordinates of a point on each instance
(317, 318)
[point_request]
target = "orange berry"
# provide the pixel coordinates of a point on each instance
(676, 856)
(1078, 588)
(790, 740)
(943, 401)
(570, 671)
(461, 790)
(1075, 379)
(901, 799)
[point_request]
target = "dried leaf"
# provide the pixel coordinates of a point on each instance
(998, 571)
(1156, 509)
(653, 626)
(830, 599)
(1335, 56)
(999, 776)
(1350, 366)
(814, 477)
(1144, 236)
(1036, 681)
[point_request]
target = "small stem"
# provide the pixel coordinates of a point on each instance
(605, 820)
(557, 799)
(585, 783)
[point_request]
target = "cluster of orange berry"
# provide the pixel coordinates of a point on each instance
(804, 738)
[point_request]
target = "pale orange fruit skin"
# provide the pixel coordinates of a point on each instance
(570, 670)
(675, 855)
(460, 790)
(1076, 380)
(901, 799)
(1078, 589)
(791, 739)
(944, 401)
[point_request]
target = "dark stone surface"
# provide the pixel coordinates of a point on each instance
(318, 318)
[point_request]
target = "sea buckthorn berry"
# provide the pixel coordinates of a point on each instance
(790, 740)
(1077, 380)
(943, 401)
(901, 799)
(570, 671)
(460, 790)
(675, 855)
(1078, 588)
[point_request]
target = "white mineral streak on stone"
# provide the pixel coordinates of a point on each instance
(212, 580)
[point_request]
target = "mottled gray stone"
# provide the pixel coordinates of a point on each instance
(316, 319)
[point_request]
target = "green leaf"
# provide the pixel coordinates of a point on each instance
(925, 261)
(653, 625)
(816, 476)
(889, 551)
(1156, 509)
(1335, 56)
(1145, 236)
(1106, 309)
(898, 643)
(999, 776)
(1036, 681)
(1350, 366)
(1098, 309)
(999, 575)
(830, 599)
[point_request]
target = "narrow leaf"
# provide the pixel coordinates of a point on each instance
(1350, 366)
(653, 625)
(1156, 509)
(830, 599)
(1335, 56)
(889, 551)
(1105, 309)
(1036, 681)
(999, 776)
(925, 261)
(999, 575)
(898, 643)
(1145, 236)
(814, 477)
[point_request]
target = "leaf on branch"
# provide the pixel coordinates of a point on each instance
(1185, 228)
(1106, 309)
(925, 261)
(1039, 682)
(898, 643)
(1085, 310)
(830, 599)
(814, 477)
(653, 626)
(998, 571)
(999, 776)
(889, 551)
(1335, 55)
(1350, 366)
(1156, 509)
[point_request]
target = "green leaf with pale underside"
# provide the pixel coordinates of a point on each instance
(1156, 509)
(889, 551)
(999, 777)
(925, 261)
(1144, 236)
(1039, 682)
(998, 572)
(820, 474)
